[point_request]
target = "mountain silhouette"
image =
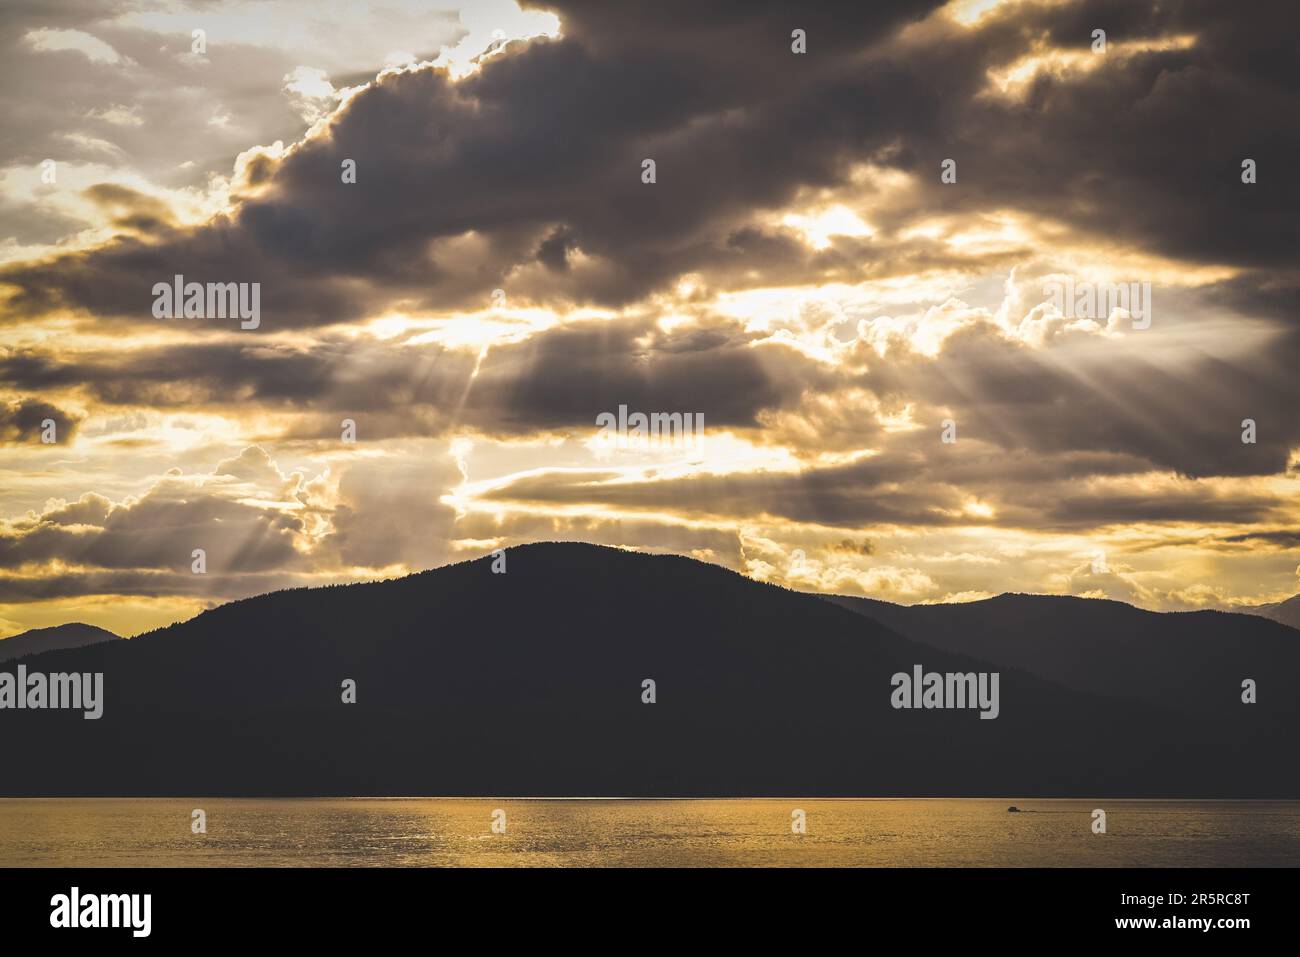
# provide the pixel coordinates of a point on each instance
(1287, 612)
(531, 683)
(72, 635)
(1192, 662)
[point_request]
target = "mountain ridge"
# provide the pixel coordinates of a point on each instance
(531, 683)
(1100, 634)
(1286, 612)
(73, 634)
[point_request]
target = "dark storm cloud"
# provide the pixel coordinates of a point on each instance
(130, 210)
(859, 494)
(539, 153)
(1117, 396)
(1063, 508)
(557, 379)
(1146, 150)
(158, 531)
(22, 421)
(116, 280)
(735, 122)
(903, 489)
(1284, 541)
(549, 138)
(228, 374)
(568, 375)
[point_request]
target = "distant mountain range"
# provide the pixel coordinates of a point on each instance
(72, 635)
(1177, 660)
(1287, 612)
(531, 683)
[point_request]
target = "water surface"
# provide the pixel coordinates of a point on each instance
(433, 832)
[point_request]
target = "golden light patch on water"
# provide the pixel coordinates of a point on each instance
(424, 832)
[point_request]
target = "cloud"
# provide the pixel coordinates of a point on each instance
(561, 378)
(391, 514)
(310, 91)
(23, 421)
(159, 530)
(53, 41)
(542, 194)
(797, 273)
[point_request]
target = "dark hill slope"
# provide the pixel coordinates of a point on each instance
(1193, 662)
(529, 683)
(1286, 612)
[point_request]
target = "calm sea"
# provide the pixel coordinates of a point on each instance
(424, 832)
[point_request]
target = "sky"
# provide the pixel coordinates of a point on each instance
(847, 256)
